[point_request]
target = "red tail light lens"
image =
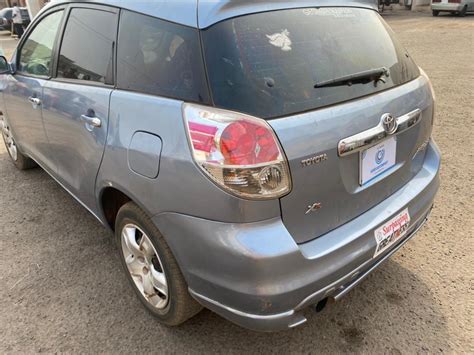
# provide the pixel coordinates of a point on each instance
(202, 136)
(454, 1)
(239, 152)
(245, 143)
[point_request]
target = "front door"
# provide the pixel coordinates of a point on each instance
(23, 91)
(76, 99)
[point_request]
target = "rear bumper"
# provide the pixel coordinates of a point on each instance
(255, 275)
(446, 7)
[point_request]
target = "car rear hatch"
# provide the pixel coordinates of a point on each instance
(294, 68)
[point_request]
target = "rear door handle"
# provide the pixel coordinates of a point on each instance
(35, 101)
(92, 121)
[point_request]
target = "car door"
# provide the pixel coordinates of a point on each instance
(23, 91)
(76, 99)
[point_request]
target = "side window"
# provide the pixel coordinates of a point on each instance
(36, 54)
(87, 46)
(160, 58)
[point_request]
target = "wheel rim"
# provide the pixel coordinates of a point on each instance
(144, 265)
(8, 138)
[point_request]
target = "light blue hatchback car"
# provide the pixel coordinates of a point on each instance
(252, 157)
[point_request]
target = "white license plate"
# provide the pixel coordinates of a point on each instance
(391, 232)
(378, 159)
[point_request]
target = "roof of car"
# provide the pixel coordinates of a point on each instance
(212, 11)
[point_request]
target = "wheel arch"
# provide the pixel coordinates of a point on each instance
(111, 199)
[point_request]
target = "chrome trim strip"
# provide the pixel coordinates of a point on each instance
(297, 322)
(372, 136)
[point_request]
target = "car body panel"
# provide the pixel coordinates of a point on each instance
(30, 132)
(75, 146)
(197, 196)
(186, 12)
(182, 11)
(265, 276)
(334, 182)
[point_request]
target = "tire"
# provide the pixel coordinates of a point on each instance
(21, 161)
(463, 12)
(180, 306)
(435, 13)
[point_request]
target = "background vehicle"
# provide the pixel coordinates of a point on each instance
(6, 18)
(383, 3)
(276, 176)
(459, 7)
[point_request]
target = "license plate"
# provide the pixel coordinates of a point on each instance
(391, 232)
(378, 159)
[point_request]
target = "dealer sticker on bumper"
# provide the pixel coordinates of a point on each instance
(391, 232)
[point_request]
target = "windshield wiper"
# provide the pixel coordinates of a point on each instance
(365, 76)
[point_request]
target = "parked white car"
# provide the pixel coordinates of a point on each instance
(459, 7)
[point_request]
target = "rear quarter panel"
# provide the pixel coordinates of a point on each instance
(180, 186)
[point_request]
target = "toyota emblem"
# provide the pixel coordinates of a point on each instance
(389, 123)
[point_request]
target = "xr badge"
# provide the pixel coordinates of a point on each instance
(314, 207)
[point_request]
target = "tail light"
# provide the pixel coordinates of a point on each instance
(240, 153)
(454, 1)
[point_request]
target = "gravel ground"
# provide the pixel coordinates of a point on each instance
(62, 288)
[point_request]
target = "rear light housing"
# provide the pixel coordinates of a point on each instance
(240, 153)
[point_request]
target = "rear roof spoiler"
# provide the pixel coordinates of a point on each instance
(213, 11)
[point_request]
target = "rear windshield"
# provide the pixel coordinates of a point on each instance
(268, 64)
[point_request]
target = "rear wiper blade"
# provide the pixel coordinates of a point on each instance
(363, 76)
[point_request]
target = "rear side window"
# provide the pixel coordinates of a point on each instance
(268, 64)
(160, 58)
(87, 48)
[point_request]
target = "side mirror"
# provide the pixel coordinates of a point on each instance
(5, 67)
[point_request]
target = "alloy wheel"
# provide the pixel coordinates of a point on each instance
(144, 265)
(8, 138)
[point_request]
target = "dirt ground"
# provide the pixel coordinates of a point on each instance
(62, 288)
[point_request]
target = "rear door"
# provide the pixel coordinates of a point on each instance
(23, 94)
(279, 66)
(76, 100)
